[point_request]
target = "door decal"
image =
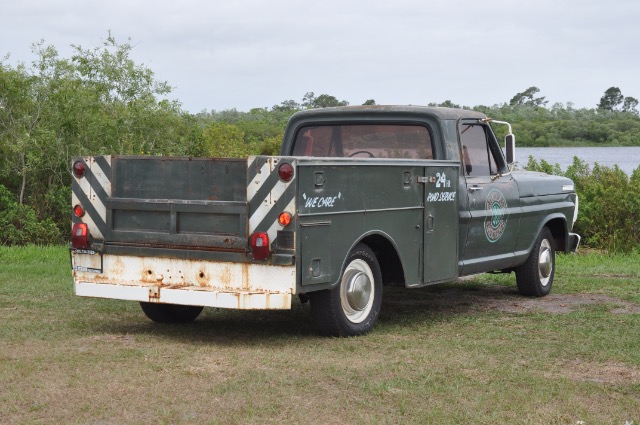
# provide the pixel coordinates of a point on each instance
(496, 222)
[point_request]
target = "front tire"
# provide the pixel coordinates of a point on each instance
(170, 313)
(535, 276)
(352, 307)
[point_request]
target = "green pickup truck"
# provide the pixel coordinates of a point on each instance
(359, 198)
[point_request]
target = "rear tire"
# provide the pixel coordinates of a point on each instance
(351, 307)
(535, 276)
(170, 313)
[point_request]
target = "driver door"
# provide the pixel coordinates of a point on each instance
(492, 200)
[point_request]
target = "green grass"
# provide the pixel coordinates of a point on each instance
(469, 352)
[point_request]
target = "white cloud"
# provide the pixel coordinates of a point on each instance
(251, 53)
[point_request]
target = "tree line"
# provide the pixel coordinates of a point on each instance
(99, 101)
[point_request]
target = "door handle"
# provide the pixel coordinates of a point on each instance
(474, 188)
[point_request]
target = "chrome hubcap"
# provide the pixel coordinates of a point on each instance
(356, 291)
(545, 262)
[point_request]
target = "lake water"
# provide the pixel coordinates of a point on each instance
(627, 158)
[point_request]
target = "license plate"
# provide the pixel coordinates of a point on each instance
(86, 260)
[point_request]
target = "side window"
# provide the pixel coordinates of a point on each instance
(477, 157)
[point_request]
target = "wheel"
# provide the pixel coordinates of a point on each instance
(170, 313)
(352, 306)
(535, 276)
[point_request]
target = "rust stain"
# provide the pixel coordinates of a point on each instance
(154, 294)
(148, 276)
(185, 247)
(177, 286)
(202, 277)
(245, 276)
(118, 267)
(226, 277)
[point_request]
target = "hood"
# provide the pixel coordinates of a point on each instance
(532, 183)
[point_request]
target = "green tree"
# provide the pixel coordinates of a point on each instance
(310, 101)
(446, 104)
(287, 106)
(630, 105)
(527, 98)
(611, 99)
(223, 140)
(99, 101)
(328, 101)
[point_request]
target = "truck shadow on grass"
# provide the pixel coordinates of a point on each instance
(474, 298)
(400, 306)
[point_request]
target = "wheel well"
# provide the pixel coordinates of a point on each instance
(388, 259)
(558, 229)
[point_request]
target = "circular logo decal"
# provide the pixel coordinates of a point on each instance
(496, 222)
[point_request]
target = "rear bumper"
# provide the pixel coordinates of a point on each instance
(185, 296)
(183, 282)
(574, 242)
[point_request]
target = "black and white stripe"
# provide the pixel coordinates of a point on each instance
(91, 192)
(267, 195)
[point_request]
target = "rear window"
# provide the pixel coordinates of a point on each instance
(364, 141)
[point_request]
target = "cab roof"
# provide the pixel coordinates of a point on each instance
(372, 110)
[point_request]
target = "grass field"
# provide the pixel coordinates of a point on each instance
(472, 352)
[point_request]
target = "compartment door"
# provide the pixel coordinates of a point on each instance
(441, 223)
(315, 241)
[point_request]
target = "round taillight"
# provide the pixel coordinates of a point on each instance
(79, 168)
(285, 171)
(284, 218)
(78, 210)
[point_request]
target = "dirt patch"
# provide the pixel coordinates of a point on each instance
(605, 373)
(501, 298)
(561, 303)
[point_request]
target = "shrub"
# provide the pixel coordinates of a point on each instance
(19, 224)
(609, 213)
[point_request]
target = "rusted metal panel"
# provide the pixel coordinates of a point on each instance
(183, 281)
(219, 299)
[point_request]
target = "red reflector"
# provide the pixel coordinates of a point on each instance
(285, 171)
(80, 236)
(78, 210)
(79, 168)
(284, 218)
(260, 246)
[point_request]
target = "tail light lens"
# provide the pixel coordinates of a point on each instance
(78, 210)
(285, 171)
(80, 236)
(79, 169)
(284, 218)
(260, 246)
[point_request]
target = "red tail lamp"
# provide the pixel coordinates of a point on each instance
(80, 236)
(284, 218)
(260, 246)
(285, 171)
(78, 210)
(79, 169)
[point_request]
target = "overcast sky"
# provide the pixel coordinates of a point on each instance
(248, 53)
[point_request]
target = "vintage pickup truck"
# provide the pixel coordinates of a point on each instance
(360, 198)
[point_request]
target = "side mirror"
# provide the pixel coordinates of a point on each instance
(510, 148)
